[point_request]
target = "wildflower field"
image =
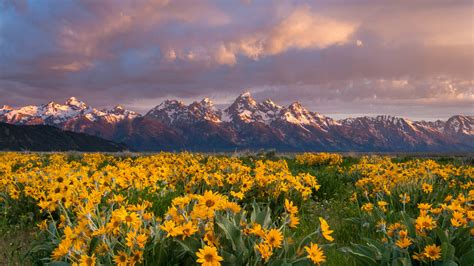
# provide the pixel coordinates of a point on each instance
(196, 209)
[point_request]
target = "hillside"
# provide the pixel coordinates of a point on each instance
(49, 138)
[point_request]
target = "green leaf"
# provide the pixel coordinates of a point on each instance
(360, 255)
(93, 245)
(265, 218)
(375, 244)
(405, 261)
(255, 210)
(229, 258)
(441, 234)
(189, 246)
(467, 259)
(447, 251)
(232, 233)
(450, 263)
(409, 223)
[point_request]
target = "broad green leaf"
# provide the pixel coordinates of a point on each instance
(467, 259)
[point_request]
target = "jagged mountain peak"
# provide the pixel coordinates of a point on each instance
(118, 107)
(6, 107)
(245, 94)
(166, 105)
(74, 102)
(71, 99)
(390, 118)
(171, 102)
(51, 103)
(176, 112)
(246, 110)
(379, 119)
(462, 117)
(120, 110)
(204, 111)
(169, 106)
(206, 101)
(268, 103)
(245, 99)
(297, 107)
(243, 109)
(205, 105)
(462, 124)
(296, 113)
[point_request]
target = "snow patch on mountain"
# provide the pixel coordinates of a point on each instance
(5, 109)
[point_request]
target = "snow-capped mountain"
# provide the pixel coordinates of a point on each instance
(245, 109)
(57, 114)
(459, 124)
(247, 124)
(51, 113)
(269, 111)
(175, 112)
(73, 115)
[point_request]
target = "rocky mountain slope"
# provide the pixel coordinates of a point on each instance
(246, 124)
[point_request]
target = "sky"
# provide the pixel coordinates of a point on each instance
(410, 58)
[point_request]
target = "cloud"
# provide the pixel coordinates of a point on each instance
(225, 56)
(428, 98)
(131, 23)
(300, 29)
(130, 51)
(170, 55)
(72, 67)
(443, 23)
(304, 29)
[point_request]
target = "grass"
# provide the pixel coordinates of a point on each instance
(15, 242)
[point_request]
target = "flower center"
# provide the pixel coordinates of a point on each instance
(209, 257)
(210, 203)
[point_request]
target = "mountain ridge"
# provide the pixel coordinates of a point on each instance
(247, 124)
(50, 138)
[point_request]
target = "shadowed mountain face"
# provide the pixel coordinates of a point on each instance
(49, 138)
(246, 124)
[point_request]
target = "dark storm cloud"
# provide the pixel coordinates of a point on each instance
(338, 57)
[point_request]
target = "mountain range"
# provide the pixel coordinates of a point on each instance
(246, 124)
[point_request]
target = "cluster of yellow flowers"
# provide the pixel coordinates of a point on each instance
(193, 213)
(322, 158)
(381, 175)
(435, 195)
(99, 207)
